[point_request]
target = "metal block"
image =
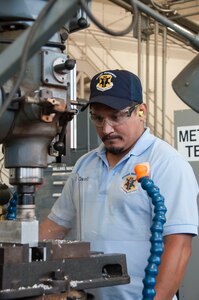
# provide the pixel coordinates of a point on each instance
(21, 232)
(39, 277)
(48, 76)
(65, 249)
(13, 254)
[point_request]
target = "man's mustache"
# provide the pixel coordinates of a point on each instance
(110, 137)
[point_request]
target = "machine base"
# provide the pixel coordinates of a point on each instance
(55, 267)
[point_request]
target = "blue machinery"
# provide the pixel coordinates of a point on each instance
(154, 260)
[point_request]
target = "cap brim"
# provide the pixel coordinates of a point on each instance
(109, 101)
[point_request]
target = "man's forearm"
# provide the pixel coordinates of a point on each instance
(177, 251)
(50, 230)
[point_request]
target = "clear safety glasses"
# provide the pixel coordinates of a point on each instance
(114, 119)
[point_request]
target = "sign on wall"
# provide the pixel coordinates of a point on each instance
(188, 142)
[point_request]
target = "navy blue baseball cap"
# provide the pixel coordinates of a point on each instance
(116, 89)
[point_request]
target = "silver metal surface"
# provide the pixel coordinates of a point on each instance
(26, 212)
(73, 96)
(186, 84)
(10, 59)
(22, 232)
(51, 59)
(26, 175)
(189, 289)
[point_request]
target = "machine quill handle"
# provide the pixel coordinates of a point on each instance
(157, 247)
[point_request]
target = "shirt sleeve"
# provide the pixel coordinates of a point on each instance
(179, 187)
(66, 206)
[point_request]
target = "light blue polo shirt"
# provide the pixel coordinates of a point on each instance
(116, 213)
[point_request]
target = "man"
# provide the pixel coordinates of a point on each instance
(116, 213)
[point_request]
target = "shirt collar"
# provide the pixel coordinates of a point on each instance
(143, 143)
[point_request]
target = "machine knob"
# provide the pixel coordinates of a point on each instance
(59, 146)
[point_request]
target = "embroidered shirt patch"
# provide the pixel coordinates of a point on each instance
(129, 183)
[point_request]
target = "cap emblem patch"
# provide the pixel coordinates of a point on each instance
(105, 82)
(129, 183)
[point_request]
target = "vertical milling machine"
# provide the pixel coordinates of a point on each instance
(37, 84)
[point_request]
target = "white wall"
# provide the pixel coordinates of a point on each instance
(107, 52)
